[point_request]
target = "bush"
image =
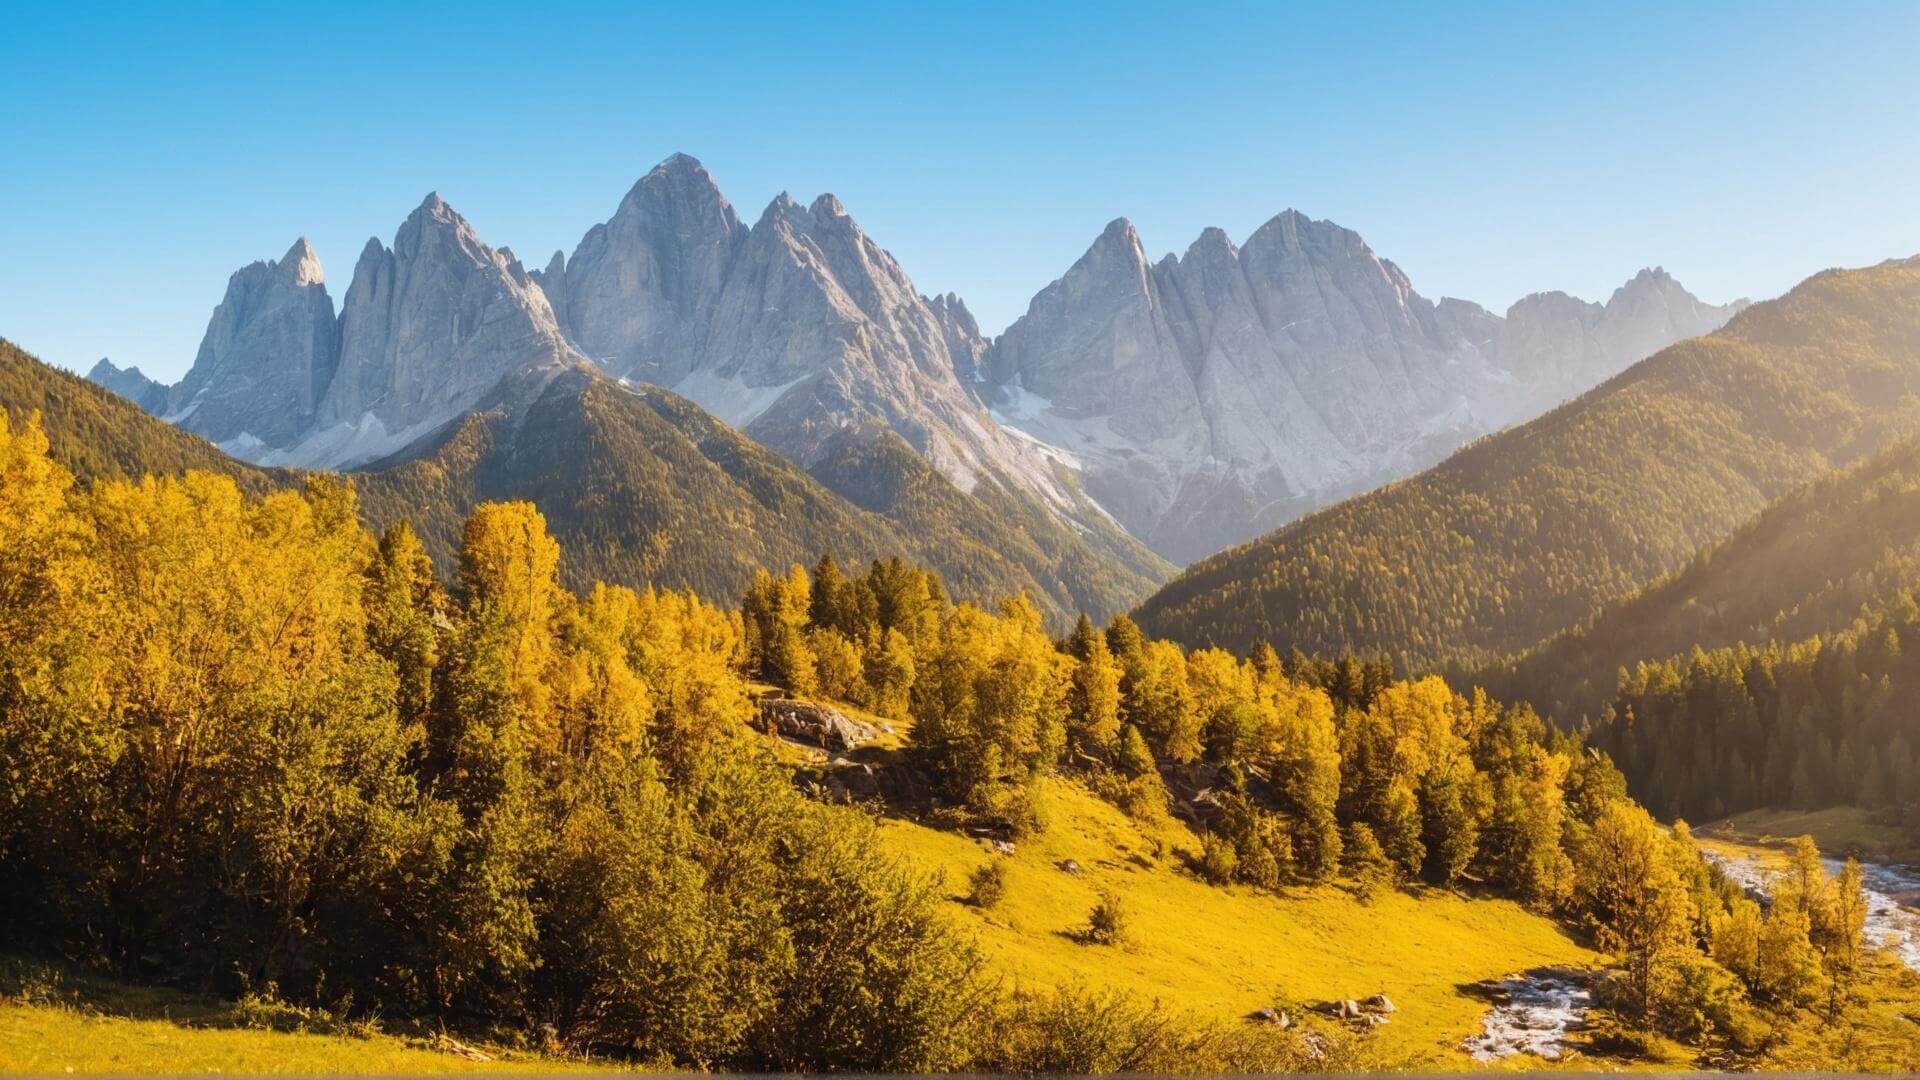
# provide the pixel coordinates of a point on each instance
(1218, 860)
(1081, 1032)
(1107, 923)
(988, 885)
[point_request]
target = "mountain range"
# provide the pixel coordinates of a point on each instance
(1213, 396)
(1533, 532)
(1137, 413)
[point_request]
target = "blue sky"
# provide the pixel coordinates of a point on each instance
(1491, 150)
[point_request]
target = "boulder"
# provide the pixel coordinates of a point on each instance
(1070, 866)
(1272, 1016)
(1380, 1003)
(1347, 1009)
(827, 728)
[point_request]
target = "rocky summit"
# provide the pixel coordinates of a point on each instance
(1210, 397)
(427, 328)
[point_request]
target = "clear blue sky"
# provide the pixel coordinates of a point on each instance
(1491, 151)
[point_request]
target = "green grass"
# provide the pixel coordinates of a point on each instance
(1839, 830)
(53, 1021)
(1224, 952)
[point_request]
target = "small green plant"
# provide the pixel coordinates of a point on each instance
(988, 885)
(1107, 922)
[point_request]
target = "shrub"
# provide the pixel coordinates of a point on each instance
(1107, 922)
(1218, 860)
(988, 885)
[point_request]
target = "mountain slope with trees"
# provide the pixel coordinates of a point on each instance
(96, 434)
(1531, 531)
(642, 486)
(1816, 562)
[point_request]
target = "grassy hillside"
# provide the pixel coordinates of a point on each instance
(53, 1021)
(1225, 952)
(1531, 531)
(1839, 830)
(1808, 565)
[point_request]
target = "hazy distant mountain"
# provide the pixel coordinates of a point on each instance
(130, 383)
(1530, 532)
(1211, 396)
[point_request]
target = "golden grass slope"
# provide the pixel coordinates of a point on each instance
(1224, 952)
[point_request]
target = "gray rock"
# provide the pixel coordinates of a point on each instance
(427, 328)
(266, 359)
(1213, 396)
(131, 384)
(1380, 1003)
(1273, 1016)
(827, 728)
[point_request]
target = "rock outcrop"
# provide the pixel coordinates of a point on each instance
(819, 725)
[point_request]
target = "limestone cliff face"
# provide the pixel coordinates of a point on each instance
(427, 327)
(637, 295)
(266, 359)
(1210, 397)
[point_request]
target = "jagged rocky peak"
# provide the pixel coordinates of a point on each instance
(129, 383)
(1209, 397)
(267, 357)
(1559, 345)
(300, 266)
(635, 294)
(427, 327)
(795, 328)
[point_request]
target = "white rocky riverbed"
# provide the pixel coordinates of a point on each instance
(1533, 1013)
(1893, 892)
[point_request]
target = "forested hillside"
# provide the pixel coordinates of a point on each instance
(1531, 531)
(643, 487)
(98, 434)
(1813, 563)
(1824, 721)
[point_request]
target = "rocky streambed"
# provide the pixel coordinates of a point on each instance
(1533, 1013)
(1893, 898)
